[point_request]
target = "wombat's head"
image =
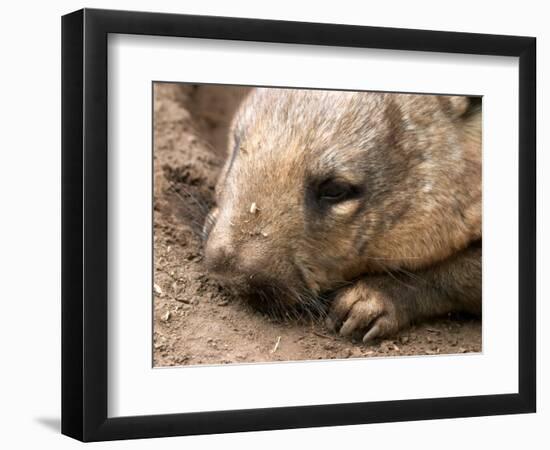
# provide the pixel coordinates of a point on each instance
(323, 186)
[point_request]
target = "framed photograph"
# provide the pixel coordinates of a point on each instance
(273, 224)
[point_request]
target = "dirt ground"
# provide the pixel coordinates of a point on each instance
(195, 320)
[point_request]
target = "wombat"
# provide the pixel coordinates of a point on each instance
(368, 201)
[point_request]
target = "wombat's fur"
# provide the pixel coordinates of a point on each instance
(374, 197)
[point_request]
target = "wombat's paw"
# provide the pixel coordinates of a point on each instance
(363, 311)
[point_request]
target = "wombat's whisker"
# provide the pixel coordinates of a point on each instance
(412, 275)
(197, 225)
(189, 214)
(304, 305)
(201, 204)
(389, 272)
(310, 304)
(398, 269)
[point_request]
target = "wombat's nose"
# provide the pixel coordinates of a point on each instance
(219, 257)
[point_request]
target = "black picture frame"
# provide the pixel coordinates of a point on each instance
(84, 224)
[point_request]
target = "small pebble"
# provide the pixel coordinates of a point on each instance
(157, 289)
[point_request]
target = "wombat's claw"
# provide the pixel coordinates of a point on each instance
(360, 309)
(377, 331)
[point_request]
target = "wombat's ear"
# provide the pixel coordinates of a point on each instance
(459, 106)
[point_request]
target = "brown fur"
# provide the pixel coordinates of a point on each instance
(406, 247)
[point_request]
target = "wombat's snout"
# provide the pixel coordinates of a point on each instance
(220, 257)
(245, 264)
(223, 259)
(246, 267)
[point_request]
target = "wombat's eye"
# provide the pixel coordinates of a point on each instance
(335, 191)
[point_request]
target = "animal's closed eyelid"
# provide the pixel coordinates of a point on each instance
(320, 204)
(346, 208)
(334, 189)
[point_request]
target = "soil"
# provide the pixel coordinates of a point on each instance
(195, 320)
